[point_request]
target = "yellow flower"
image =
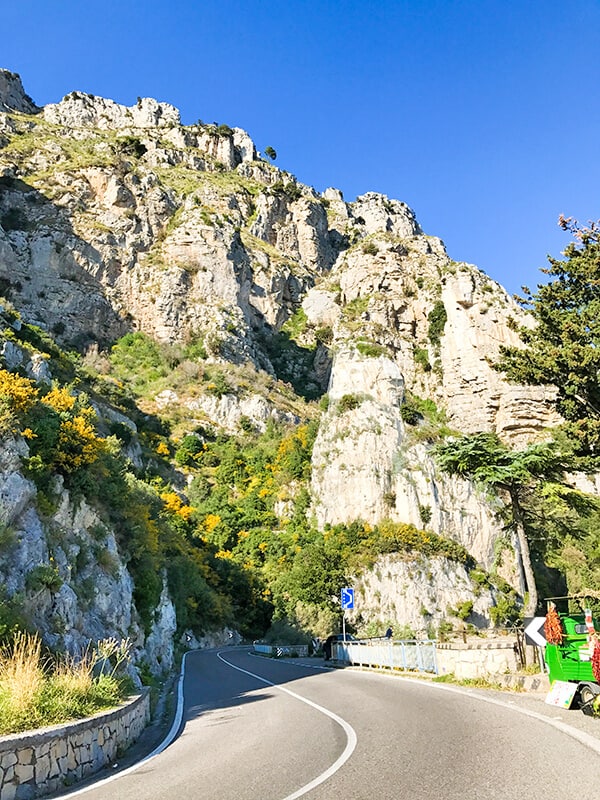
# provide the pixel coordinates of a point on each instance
(60, 399)
(210, 522)
(20, 393)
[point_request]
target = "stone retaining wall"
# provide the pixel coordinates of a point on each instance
(37, 763)
(485, 660)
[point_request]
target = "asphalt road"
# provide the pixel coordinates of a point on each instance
(275, 730)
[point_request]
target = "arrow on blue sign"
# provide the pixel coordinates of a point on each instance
(347, 598)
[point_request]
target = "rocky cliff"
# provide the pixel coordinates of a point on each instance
(116, 219)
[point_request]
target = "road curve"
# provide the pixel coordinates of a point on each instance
(272, 730)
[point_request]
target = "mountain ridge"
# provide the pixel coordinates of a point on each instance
(274, 303)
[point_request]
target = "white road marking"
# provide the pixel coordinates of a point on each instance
(347, 728)
(584, 738)
(556, 722)
(157, 750)
(581, 736)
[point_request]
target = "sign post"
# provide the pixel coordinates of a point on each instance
(347, 604)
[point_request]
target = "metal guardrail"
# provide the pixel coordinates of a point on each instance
(414, 655)
(279, 650)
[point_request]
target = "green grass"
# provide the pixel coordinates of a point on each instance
(36, 692)
(475, 683)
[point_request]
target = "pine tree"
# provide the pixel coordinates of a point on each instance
(563, 348)
(483, 458)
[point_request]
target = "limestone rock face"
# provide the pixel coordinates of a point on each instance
(379, 214)
(365, 465)
(91, 597)
(443, 323)
(12, 94)
(447, 505)
(358, 440)
(80, 110)
(422, 593)
(478, 314)
(119, 218)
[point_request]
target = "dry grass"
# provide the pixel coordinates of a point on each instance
(21, 675)
(35, 691)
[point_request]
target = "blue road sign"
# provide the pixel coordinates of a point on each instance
(347, 598)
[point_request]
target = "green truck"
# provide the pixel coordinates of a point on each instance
(570, 659)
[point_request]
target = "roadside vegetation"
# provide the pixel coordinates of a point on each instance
(37, 689)
(224, 516)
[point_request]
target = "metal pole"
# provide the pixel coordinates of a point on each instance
(542, 660)
(344, 626)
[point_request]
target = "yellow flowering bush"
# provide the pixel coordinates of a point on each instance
(175, 505)
(59, 399)
(78, 444)
(20, 393)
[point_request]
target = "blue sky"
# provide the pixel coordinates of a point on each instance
(482, 115)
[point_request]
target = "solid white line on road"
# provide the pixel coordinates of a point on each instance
(157, 750)
(556, 722)
(581, 736)
(346, 727)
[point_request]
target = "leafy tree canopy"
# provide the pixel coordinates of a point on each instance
(519, 473)
(563, 348)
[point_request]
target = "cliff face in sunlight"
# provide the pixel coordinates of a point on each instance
(116, 219)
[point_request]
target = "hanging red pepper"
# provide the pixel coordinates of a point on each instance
(596, 658)
(552, 626)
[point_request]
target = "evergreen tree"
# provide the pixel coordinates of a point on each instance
(483, 458)
(563, 348)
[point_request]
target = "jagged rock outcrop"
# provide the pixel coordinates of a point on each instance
(80, 110)
(367, 464)
(116, 218)
(149, 231)
(12, 94)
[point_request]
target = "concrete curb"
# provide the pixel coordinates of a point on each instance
(539, 683)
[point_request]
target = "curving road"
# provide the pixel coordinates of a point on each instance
(260, 729)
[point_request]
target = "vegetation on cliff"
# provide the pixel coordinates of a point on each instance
(211, 252)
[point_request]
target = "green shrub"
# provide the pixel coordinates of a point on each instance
(370, 249)
(389, 498)
(130, 146)
(44, 576)
(371, 350)
(462, 611)
(425, 514)
(218, 385)
(324, 334)
(348, 402)
(422, 358)
(190, 451)
(437, 318)
(410, 414)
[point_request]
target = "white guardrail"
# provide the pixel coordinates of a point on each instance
(278, 650)
(413, 654)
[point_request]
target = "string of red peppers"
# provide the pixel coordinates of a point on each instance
(552, 626)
